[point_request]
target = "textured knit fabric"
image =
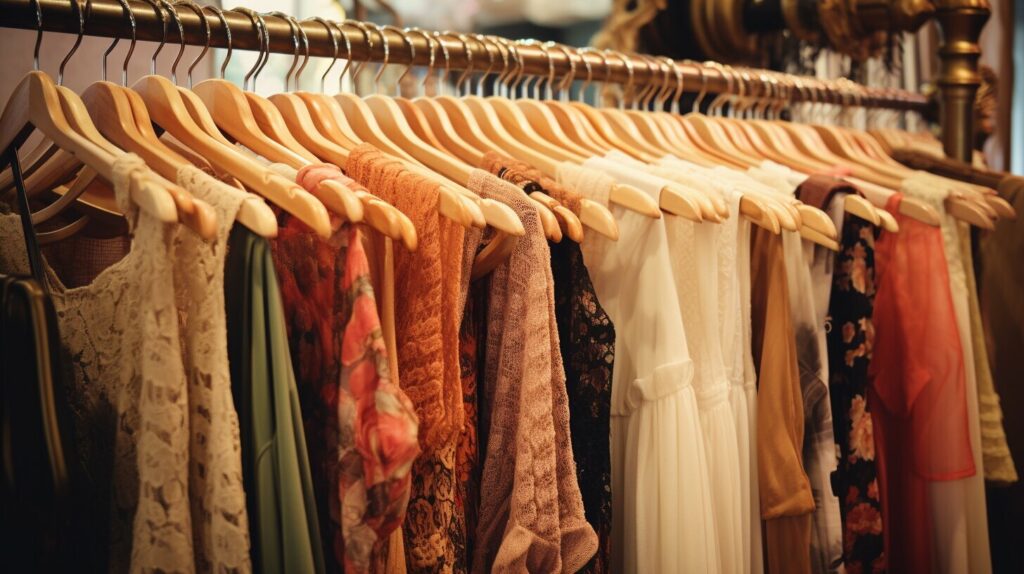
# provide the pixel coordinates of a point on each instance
(995, 453)
(523, 174)
(587, 339)
(220, 527)
(427, 282)
(1001, 283)
(531, 513)
(960, 525)
(278, 482)
(661, 512)
(786, 499)
(129, 395)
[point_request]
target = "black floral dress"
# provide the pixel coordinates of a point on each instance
(587, 339)
(850, 340)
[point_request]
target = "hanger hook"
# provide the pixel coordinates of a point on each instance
(678, 92)
(74, 48)
(565, 86)
(653, 87)
(39, 34)
(604, 63)
(387, 57)
(227, 36)
(305, 52)
(590, 74)
(432, 58)
(469, 59)
(412, 55)
(334, 47)
(667, 66)
(369, 48)
(715, 107)
(503, 84)
(627, 92)
(294, 37)
(348, 51)
(126, 11)
(206, 34)
(258, 23)
(442, 81)
(490, 63)
(181, 36)
(158, 10)
(503, 51)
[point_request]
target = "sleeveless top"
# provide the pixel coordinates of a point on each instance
(130, 395)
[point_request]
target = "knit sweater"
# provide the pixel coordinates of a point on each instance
(531, 512)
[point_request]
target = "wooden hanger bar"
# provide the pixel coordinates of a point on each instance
(107, 20)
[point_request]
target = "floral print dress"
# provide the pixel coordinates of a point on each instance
(850, 342)
(361, 429)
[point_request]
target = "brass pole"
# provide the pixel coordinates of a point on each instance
(105, 18)
(960, 24)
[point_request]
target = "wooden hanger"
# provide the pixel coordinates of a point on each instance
(34, 104)
(452, 122)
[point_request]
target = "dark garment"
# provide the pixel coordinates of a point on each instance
(587, 340)
(276, 473)
(850, 341)
(45, 511)
(948, 167)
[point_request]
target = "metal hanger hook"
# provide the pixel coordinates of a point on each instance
(412, 55)
(158, 10)
(479, 91)
(227, 36)
(206, 34)
(258, 23)
(368, 38)
(469, 59)
(348, 52)
(627, 92)
(305, 54)
(74, 47)
(387, 57)
(433, 55)
(443, 78)
(126, 11)
(334, 47)
(292, 25)
(181, 36)
(565, 86)
(504, 50)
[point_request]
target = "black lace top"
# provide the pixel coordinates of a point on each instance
(587, 340)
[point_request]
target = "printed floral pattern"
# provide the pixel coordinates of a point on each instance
(849, 350)
(361, 429)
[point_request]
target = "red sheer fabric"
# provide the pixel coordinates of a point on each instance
(917, 385)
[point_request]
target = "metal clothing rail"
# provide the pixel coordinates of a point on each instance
(106, 18)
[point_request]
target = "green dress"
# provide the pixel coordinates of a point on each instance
(276, 473)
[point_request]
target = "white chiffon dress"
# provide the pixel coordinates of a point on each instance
(662, 514)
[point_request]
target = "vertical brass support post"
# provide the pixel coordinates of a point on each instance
(960, 24)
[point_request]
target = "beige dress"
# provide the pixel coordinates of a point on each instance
(129, 394)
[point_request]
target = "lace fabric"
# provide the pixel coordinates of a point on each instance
(427, 346)
(220, 527)
(130, 395)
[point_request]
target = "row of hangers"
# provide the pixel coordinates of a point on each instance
(442, 138)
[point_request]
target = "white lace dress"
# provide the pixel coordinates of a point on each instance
(129, 396)
(663, 519)
(220, 524)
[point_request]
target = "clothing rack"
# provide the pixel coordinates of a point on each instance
(106, 18)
